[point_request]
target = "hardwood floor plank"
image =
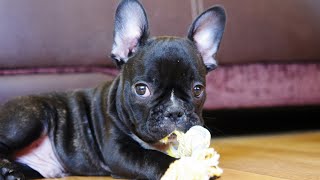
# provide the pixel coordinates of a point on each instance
(231, 174)
(292, 156)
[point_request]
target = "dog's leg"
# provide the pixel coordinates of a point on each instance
(127, 159)
(21, 123)
(12, 170)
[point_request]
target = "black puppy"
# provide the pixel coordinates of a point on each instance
(115, 128)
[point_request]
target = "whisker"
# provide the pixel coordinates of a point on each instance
(215, 131)
(210, 118)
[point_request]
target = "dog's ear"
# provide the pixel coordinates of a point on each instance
(130, 30)
(206, 32)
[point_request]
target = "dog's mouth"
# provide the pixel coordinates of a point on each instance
(168, 143)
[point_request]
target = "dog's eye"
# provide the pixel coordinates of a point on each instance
(198, 90)
(142, 90)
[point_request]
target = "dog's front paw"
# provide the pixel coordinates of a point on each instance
(201, 166)
(9, 172)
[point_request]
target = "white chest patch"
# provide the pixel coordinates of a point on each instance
(40, 156)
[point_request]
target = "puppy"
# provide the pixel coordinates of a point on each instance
(115, 128)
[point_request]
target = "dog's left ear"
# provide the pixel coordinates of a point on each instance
(130, 30)
(206, 32)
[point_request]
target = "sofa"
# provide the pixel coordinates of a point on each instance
(269, 55)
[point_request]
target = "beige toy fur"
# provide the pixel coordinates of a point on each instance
(197, 161)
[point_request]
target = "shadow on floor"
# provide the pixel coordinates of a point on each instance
(262, 120)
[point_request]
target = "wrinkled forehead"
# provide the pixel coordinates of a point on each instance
(170, 50)
(169, 58)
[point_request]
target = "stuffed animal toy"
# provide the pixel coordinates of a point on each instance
(197, 160)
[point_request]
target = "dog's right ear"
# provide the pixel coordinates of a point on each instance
(130, 30)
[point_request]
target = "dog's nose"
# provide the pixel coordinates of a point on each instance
(174, 113)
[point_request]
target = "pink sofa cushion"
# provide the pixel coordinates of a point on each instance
(263, 85)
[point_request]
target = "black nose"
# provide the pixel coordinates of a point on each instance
(175, 113)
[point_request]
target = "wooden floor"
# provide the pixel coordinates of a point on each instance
(293, 156)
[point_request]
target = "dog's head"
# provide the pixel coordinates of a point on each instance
(162, 81)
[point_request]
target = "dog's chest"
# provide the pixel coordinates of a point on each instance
(41, 157)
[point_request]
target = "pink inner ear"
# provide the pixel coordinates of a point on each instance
(126, 44)
(205, 43)
(205, 36)
(129, 30)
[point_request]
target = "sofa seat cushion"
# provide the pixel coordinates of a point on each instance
(263, 85)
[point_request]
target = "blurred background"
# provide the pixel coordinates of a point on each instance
(268, 78)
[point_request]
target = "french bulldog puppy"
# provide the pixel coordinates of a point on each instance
(115, 128)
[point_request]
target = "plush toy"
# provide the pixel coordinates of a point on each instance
(197, 161)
